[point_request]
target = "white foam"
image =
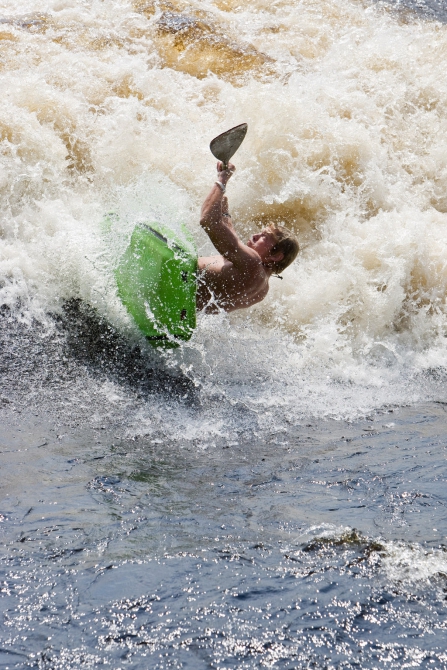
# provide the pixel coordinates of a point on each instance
(346, 122)
(412, 563)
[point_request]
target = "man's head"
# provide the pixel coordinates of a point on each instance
(277, 246)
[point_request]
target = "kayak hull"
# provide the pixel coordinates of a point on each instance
(156, 279)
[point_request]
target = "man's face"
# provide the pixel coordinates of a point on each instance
(262, 243)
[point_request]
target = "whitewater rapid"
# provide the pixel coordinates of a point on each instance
(271, 493)
(113, 109)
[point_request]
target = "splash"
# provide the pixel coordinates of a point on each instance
(346, 107)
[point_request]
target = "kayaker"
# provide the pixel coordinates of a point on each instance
(239, 276)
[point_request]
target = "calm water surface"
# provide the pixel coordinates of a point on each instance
(319, 545)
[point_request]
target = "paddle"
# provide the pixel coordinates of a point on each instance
(224, 146)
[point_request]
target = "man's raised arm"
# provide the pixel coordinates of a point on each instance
(218, 227)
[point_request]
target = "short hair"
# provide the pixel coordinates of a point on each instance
(286, 242)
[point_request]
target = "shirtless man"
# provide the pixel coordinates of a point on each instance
(239, 277)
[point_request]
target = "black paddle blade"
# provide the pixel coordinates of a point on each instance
(224, 146)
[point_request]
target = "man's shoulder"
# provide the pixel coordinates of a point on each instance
(250, 258)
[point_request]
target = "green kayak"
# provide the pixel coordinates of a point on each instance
(156, 280)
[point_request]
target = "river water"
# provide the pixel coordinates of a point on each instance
(272, 494)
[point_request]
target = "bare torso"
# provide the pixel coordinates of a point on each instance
(220, 285)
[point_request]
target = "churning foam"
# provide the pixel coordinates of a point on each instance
(113, 108)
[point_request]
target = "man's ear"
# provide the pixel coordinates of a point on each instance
(275, 258)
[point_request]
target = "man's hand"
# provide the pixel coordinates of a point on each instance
(224, 175)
